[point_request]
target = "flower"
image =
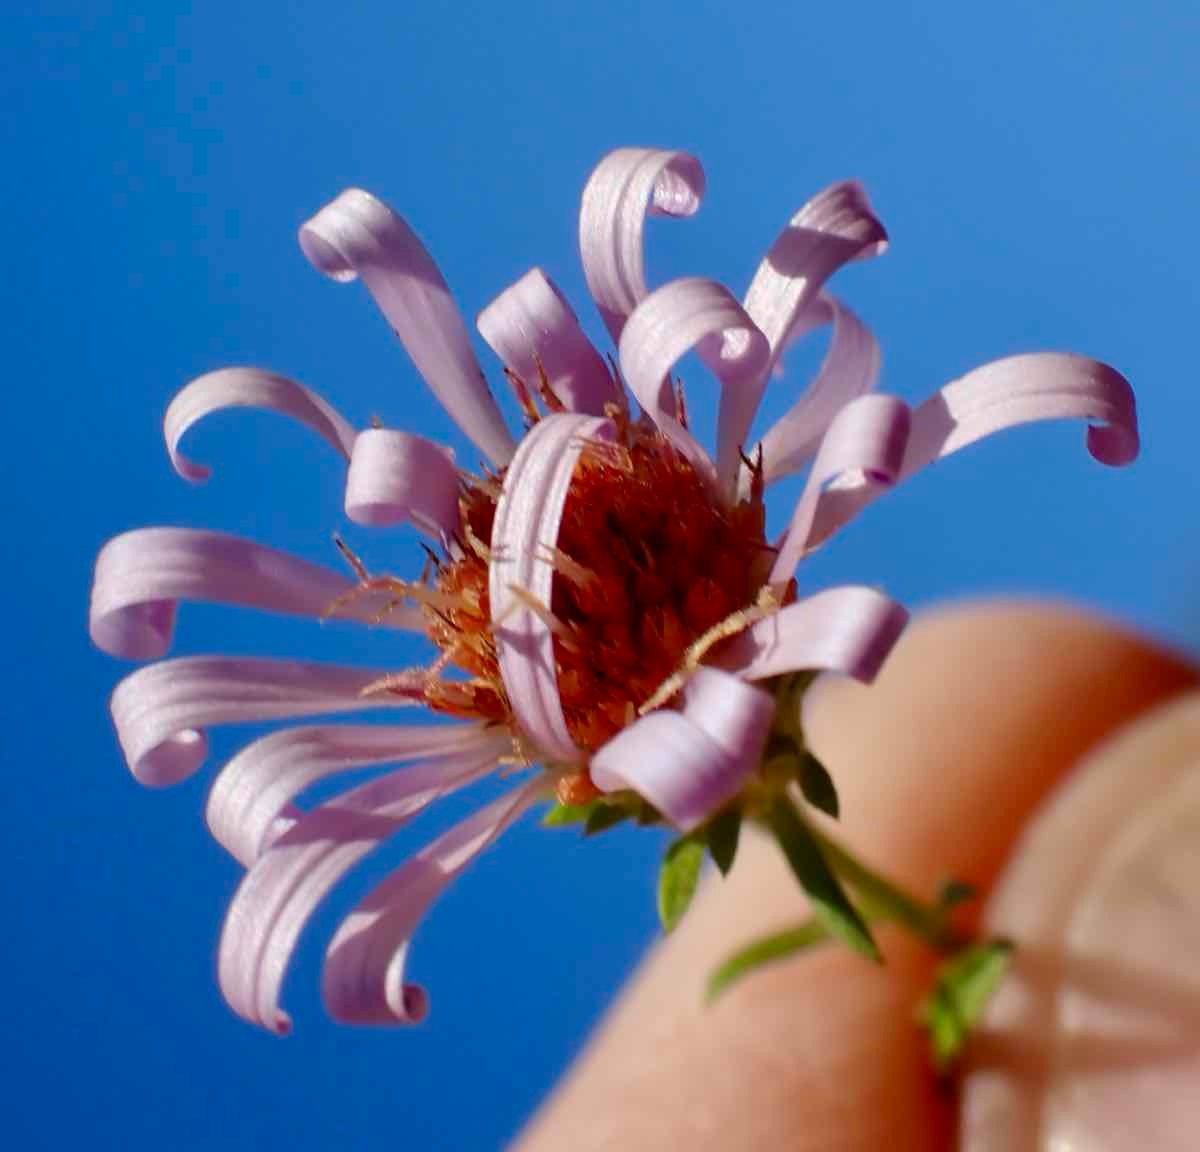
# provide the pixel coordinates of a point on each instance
(606, 609)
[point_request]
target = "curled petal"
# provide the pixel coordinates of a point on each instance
(850, 368)
(1002, 394)
(248, 388)
(530, 324)
(627, 185)
(397, 478)
(528, 515)
(281, 891)
(733, 717)
(836, 226)
(141, 576)
(161, 711)
(1021, 390)
(356, 235)
(689, 763)
(848, 630)
(363, 981)
(253, 793)
(860, 454)
(670, 322)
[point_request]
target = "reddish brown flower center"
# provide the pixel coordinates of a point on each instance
(648, 563)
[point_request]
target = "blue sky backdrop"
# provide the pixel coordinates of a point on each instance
(1038, 168)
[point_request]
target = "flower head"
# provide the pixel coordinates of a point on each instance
(606, 610)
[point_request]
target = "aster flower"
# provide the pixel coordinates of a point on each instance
(610, 623)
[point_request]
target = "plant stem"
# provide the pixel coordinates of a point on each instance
(884, 901)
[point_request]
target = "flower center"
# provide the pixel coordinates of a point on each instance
(648, 567)
(647, 564)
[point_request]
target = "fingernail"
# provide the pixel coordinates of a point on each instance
(1094, 1042)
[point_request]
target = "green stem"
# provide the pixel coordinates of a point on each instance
(884, 901)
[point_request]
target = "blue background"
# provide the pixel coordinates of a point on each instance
(1038, 171)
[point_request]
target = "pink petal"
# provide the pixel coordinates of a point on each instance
(669, 323)
(527, 518)
(363, 981)
(160, 711)
(141, 575)
(530, 322)
(860, 454)
(689, 763)
(850, 368)
(1020, 390)
(833, 228)
(358, 235)
(398, 478)
(627, 185)
(255, 790)
(848, 630)
(286, 884)
(1002, 394)
(248, 388)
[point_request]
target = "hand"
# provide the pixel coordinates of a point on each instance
(941, 766)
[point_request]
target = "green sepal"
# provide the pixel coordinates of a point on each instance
(603, 816)
(647, 815)
(829, 900)
(817, 785)
(787, 750)
(765, 950)
(959, 995)
(678, 878)
(789, 692)
(601, 813)
(723, 832)
(564, 815)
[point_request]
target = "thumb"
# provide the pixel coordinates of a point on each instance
(976, 715)
(1094, 1040)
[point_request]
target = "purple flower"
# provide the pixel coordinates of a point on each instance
(603, 601)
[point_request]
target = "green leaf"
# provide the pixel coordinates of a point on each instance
(975, 973)
(829, 901)
(723, 832)
(604, 816)
(963, 987)
(678, 878)
(767, 950)
(817, 785)
(564, 815)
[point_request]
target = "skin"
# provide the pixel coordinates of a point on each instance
(941, 765)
